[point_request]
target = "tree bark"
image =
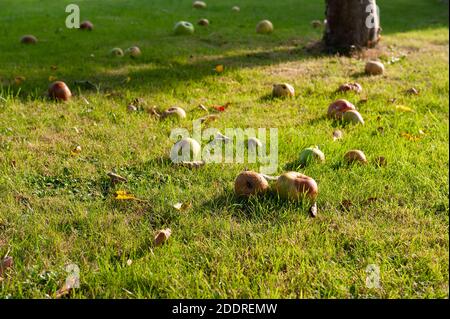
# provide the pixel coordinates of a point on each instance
(351, 25)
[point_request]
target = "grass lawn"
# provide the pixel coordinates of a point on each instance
(57, 208)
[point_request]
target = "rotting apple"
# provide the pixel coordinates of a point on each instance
(283, 90)
(133, 51)
(355, 156)
(316, 24)
(353, 116)
(118, 52)
(175, 112)
(28, 39)
(86, 25)
(183, 28)
(59, 91)
(350, 87)
(190, 150)
(250, 183)
(338, 107)
(203, 22)
(296, 186)
(311, 154)
(374, 68)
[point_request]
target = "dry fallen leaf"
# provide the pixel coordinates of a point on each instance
(116, 178)
(346, 204)
(412, 91)
(208, 118)
(204, 108)
(162, 236)
(194, 164)
(52, 78)
(410, 137)
(182, 206)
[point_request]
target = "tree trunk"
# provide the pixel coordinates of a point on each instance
(351, 25)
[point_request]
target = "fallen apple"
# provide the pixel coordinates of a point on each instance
(250, 183)
(162, 236)
(183, 28)
(296, 186)
(199, 5)
(264, 27)
(86, 25)
(311, 154)
(133, 52)
(355, 87)
(353, 116)
(203, 22)
(283, 90)
(176, 112)
(190, 150)
(374, 68)
(28, 39)
(132, 108)
(338, 107)
(316, 24)
(60, 91)
(381, 161)
(354, 156)
(116, 52)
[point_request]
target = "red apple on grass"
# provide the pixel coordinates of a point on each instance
(86, 25)
(338, 107)
(296, 186)
(355, 156)
(250, 183)
(59, 91)
(28, 39)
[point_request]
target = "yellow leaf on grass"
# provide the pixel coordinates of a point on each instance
(123, 195)
(52, 78)
(410, 137)
(402, 108)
